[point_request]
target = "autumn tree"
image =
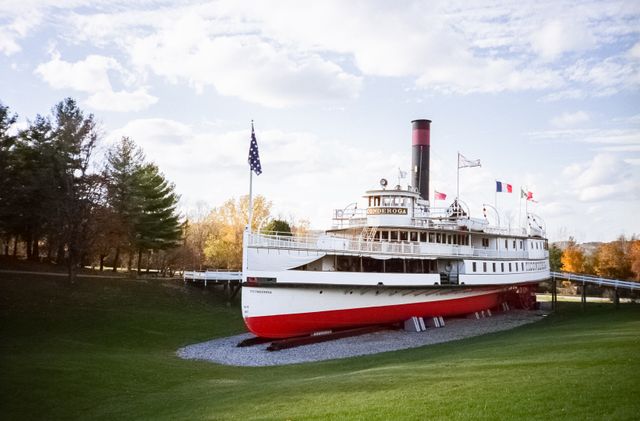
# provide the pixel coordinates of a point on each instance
(301, 228)
(612, 261)
(573, 258)
(223, 248)
(634, 258)
(196, 230)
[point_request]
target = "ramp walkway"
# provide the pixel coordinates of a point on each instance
(587, 279)
(230, 280)
(614, 284)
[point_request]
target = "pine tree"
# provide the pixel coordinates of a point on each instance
(75, 137)
(124, 161)
(7, 175)
(157, 225)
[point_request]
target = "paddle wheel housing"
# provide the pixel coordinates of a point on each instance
(522, 296)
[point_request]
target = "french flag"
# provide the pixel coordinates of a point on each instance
(503, 187)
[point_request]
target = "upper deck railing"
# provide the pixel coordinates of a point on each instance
(436, 218)
(336, 244)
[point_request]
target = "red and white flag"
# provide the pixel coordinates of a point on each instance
(439, 196)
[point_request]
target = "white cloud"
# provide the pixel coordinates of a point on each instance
(605, 177)
(17, 29)
(91, 76)
(570, 119)
(153, 131)
(557, 37)
(88, 75)
(610, 138)
(287, 53)
(121, 101)
(244, 66)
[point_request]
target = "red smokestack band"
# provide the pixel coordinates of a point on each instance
(421, 132)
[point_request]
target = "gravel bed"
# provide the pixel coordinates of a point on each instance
(224, 350)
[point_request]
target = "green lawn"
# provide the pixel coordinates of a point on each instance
(105, 349)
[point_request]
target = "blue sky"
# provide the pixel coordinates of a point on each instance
(544, 93)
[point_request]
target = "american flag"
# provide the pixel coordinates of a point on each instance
(254, 156)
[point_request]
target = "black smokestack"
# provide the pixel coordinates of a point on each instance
(420, 156)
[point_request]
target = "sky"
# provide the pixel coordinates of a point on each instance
(545, 93)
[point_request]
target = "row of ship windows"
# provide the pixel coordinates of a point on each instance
(533, 245)
(442, 238)
(510, 266)
(424, 237)
(389, 201)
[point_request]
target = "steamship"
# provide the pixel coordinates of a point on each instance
(396, 259)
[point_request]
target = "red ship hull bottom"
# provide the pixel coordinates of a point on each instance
(299, 324)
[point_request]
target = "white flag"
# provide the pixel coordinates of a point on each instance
(402, 174)
(466, 163)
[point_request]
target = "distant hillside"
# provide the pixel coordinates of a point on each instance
(589, 248)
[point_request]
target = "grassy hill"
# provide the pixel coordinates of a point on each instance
(105, 349)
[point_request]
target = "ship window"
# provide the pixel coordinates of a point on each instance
(423, 237)
(522, 266)
(404, 235)
(484, 266)
(494, 267)
(393, 235)
(448, 238)
(506, 244)
(414, 236)
(509, 266)
(438, 237)
(369, 201)
(501, 267)
(385, 235)
(485, 242)
(473, 265)
(521, 245)
(432, 237)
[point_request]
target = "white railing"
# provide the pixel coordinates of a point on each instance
(349, 213)
(212, 275)
(338, 244)
(615, 283)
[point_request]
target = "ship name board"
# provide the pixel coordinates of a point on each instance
(387, 211)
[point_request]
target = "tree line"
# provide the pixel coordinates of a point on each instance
(62, 203)
(619, 259)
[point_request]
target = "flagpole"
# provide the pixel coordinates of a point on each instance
(458, 179)
(520, 210)
(495, 202)
(250, 198)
